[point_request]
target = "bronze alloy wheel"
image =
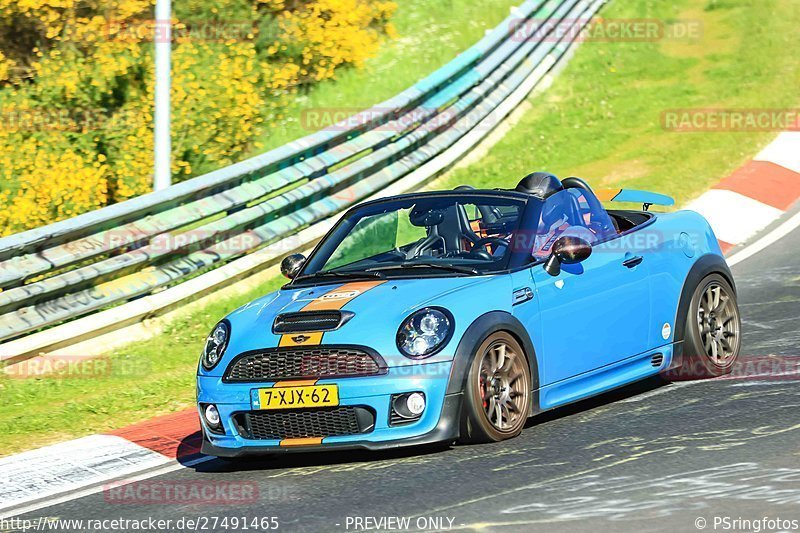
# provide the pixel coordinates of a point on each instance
(713, 330)
(498, 391)
(718, 324)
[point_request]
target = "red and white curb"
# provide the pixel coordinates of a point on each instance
(68, 466)
(38, 476)
(738, 207)
(755, 195)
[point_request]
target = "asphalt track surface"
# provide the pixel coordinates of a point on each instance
(652, 457)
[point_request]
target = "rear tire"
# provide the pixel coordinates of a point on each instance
(498, 391)
(713, 330)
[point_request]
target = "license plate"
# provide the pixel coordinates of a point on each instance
(298, 397)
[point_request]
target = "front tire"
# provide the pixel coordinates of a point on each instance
(713, 329)
(498, 389)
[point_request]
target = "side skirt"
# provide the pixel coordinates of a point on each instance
(605, 379)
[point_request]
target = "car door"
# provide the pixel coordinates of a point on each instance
(591, 314)
(593, 318)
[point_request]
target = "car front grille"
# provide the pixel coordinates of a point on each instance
(304, 362)
(305, 423)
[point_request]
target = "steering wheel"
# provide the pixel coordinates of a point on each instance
(481, 243)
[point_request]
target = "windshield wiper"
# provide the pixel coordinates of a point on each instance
(341, 275)
(449, 268)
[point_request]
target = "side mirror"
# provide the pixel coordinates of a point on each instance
(567, 250)
(291, 265)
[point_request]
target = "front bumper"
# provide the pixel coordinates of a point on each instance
(439, 421)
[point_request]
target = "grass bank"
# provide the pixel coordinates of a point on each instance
(431, 33)
(600, 120)
(603, 119)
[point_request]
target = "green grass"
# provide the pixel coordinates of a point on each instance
(600, 120)
(431, 33)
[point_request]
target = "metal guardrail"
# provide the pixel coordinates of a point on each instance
(78, 266)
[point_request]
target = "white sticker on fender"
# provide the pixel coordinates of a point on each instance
(666, 331)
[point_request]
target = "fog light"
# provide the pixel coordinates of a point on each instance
(406, 408)
(212, 416)
(415, 403)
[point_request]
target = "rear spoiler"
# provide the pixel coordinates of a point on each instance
(645, 198)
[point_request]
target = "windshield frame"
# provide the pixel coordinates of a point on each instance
(529, 210)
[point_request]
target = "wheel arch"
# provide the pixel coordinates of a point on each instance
(476, 333)
(704, 266)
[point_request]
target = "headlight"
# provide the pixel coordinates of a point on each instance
(425, 332)
(215, 346)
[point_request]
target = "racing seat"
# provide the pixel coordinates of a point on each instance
(595, 205)
(455, 229)
(448, 230)
(562, 207)
(561, 215)
(489, 215)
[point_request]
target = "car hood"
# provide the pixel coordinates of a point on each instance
(379, 308)
(380, 299)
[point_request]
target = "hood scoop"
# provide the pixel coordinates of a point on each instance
(310, 321)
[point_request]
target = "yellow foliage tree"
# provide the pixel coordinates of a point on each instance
(52, 184)
(77, 107)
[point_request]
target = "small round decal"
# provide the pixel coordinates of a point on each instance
(666, 331)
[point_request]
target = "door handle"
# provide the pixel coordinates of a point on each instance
(633, 261)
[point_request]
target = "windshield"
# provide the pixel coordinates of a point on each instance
(420, 236)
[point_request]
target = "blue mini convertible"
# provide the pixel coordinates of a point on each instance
(456, 315)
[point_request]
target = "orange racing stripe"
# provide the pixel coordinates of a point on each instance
(338, 298)
(308, 441)
(330, 301)
(301, 383)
